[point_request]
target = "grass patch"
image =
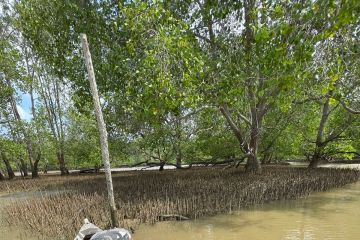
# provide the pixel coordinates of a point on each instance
(142, 197)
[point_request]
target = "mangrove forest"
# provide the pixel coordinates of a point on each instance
(179, 119)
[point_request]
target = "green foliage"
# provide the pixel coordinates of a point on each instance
(82, 142)
(159, 64)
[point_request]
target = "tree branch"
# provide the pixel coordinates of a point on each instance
(350, 110)
(246, 120)
(238, 134)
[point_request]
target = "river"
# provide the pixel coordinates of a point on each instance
(328, 215)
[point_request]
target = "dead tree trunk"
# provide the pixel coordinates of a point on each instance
(102, 129)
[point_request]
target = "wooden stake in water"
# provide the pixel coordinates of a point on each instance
(102, 129)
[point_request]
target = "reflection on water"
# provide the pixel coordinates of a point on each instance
(330, 215)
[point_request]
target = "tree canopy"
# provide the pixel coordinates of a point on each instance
(180, 81)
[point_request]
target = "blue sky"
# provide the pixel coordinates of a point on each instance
(24, 107)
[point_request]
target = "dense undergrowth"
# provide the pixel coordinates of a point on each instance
(144, 196)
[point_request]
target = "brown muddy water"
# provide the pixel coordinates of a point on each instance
(328, 215)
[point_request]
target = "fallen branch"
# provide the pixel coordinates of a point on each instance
(170, 217)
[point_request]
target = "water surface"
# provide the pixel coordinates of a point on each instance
(328, 215)
(332, 215)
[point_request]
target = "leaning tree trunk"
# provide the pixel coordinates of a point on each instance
(2, 177)
(102, 130)
(9, 169)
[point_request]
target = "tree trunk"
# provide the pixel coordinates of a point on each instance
(20, 170)
(35, 171)
(9, 169)
(61, 160)
(50, 92)
(316, 158)
(23, 167)
(253, 164)
(320, 144)
(178, 142)
(2, 177)
(178, 160)
(162, 164)
(234, 128)
(102, 129)
(46, 167)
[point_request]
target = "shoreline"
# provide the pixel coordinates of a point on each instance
(144, 196)
(127, 168)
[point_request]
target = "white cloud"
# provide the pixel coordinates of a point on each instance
(24, 114)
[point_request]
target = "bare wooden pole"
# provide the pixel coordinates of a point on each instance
(102, 129)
